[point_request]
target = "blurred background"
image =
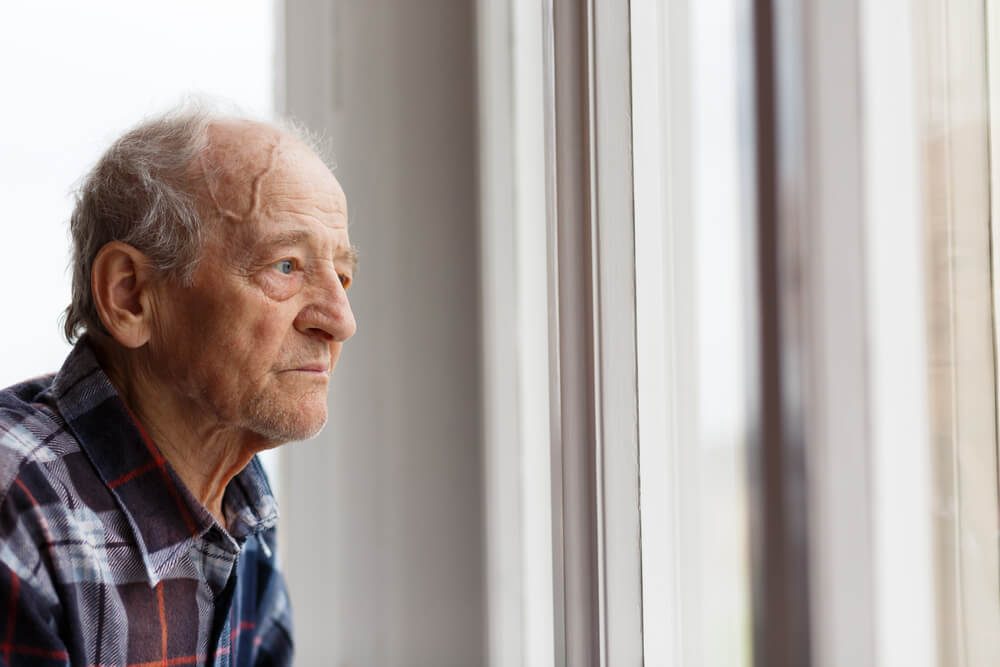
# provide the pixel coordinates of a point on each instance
(677, 320)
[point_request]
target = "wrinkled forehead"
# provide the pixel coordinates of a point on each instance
(249, 170)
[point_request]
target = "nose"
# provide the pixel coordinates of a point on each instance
(327, 314)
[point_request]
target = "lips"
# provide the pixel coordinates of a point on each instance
(313, 368)
(322, 367)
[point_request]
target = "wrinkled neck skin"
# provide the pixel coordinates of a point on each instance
(203, 453)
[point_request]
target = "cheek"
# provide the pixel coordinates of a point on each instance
(224, 344)
(263, 322)
(255, 339)
(242, 324)
(230, 363)
(220, 348)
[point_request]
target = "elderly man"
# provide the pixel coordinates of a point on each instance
(211, 265)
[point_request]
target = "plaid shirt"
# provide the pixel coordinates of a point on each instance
(107, 559)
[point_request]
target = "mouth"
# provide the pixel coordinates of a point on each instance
(317, 369)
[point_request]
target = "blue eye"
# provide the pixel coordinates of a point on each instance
(285, 266)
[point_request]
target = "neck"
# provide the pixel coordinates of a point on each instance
(205, 455)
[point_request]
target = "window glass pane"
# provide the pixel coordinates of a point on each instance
(718, 219)
(954, 79)
(690, 220)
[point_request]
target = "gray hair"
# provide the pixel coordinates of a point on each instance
(142, 192)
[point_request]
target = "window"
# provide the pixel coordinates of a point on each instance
(753, 434)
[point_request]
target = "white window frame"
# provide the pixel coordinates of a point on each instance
(515, 279)
(905, 627)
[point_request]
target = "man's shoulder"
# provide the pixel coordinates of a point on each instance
(32, 432)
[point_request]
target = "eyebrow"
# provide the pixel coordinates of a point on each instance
(299, 237)
(349, 255)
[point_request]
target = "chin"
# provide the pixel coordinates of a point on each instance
(280, 423)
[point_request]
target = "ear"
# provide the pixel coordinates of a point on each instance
(120, 281)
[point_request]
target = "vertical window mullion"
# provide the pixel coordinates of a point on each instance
(613, 297)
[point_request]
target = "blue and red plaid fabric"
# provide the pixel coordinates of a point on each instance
(107, 559)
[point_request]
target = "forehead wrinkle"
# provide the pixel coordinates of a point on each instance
(320, 207)
(256, 241)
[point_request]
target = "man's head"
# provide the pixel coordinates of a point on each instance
(211, 256)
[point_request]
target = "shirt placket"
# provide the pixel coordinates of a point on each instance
(222, 578)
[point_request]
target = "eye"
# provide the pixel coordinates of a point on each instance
(285, 266)
(345, 280)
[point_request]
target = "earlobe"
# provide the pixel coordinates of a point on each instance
(119, 281)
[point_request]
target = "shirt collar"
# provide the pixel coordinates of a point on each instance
(164, 516)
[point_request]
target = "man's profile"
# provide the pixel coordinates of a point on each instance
(211, 261)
